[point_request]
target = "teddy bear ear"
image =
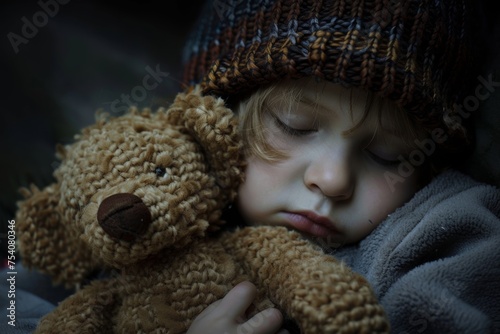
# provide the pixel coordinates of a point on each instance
(45, 241)
(215, 128)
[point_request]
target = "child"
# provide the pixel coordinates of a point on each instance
(351, 115)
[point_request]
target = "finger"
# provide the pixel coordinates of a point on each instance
(236, 302)
(209, 308)
(268, 321)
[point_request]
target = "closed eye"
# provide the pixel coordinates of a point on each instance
(383, 161)
(289, 130)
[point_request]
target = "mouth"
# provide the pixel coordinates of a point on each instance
(310, 223)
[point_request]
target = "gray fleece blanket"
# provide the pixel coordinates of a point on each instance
(435, 262)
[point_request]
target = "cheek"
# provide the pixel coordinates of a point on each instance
(245, 203)
(256, 178)
(253, 194)
(384, 200)
(247, 195)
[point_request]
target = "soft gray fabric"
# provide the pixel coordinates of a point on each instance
(435, 262)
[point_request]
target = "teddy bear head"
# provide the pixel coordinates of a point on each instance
(133, 185)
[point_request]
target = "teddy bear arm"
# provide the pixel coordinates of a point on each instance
(90, 310)
(45, 241)
(320, 293)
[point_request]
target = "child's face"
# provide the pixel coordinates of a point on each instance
(330, 185)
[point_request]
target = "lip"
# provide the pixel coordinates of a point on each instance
(310, 223)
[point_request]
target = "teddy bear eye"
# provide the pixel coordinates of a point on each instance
(160, 171)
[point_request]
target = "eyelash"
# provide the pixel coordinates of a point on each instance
(383, 162)
(288, 130)
(300, 132)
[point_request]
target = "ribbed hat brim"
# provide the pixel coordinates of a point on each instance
(413, 52)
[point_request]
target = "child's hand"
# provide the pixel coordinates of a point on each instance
(227, 316)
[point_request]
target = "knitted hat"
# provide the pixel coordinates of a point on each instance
(415, 52)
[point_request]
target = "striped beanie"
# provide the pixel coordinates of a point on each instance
(414, 52)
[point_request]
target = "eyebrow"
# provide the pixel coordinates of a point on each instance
(393, 129)
(386, 133)
(306, 100)
(315, 105)
(390, 136)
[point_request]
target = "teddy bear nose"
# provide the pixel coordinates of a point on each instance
(123, 216)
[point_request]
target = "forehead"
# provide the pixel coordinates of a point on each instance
(333, 100)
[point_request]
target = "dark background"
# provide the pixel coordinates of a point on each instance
(90, 53)
(86, 56)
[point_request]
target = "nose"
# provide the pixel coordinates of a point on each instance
(331, 175)
(123, 216)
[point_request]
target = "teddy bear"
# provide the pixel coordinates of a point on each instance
(141, 195)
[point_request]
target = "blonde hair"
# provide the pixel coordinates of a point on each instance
(251, 110)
